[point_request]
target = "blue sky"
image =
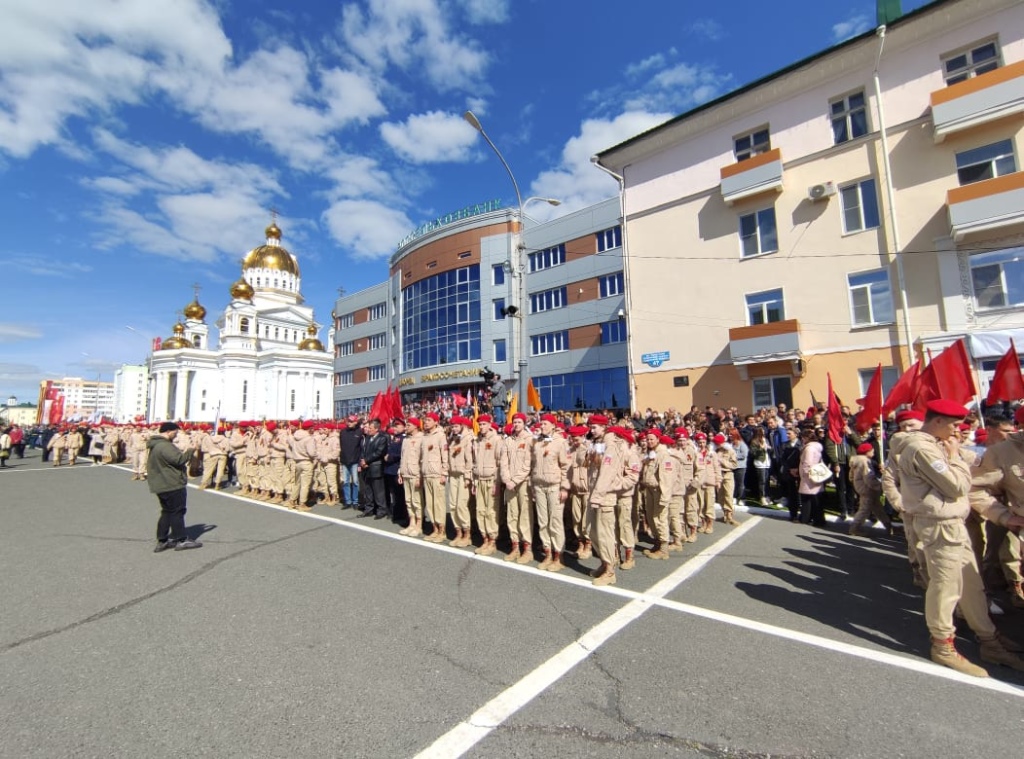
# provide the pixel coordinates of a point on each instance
(143, 142)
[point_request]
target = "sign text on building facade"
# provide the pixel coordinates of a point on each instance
(448, 218)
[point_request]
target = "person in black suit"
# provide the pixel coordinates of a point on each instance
(375, 448)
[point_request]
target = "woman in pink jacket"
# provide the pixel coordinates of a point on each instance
(811, 508)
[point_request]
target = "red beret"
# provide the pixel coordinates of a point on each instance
(719, 439)
(952, 409)
(432, 415)
(461, 420)
(700, 436)
(392, 431)
(598, 419)
(549, 418)
(308, 424)
(508, 429)
(964, 428)
(415, 422)
(518, 416)
(271, 425)
(981, 436)
(667, 440)
(397, 421)
(353, 418)
(865, 448)
(485, 418)
(905, 416)
(623, 433)
(578, 431)
(682, 433)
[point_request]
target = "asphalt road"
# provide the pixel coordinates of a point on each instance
(319, 635)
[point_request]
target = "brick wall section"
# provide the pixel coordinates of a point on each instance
(444, 254)
(581, 246)
(585, 337)
(359, 376)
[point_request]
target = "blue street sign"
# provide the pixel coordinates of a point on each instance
(655, 359)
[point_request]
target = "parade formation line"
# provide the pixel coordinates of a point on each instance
(640, 601)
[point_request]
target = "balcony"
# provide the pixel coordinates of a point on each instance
(753, 176)
(989, 205)
(766, 343)
(979, 100)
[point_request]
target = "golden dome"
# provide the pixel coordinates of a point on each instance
(273, 231)
(271, 257)
(176, 341)
(242, 290)
(311, 343)
(194, 311)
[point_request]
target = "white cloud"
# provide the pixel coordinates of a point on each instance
(851, 27)
(11, 332)
(368, 228)
(656, 61)
(45, 266)
(485, 11)
(414, 35)
(358, 176)
(432, 137)
(659, 83)
(576, 182)
(707, 27)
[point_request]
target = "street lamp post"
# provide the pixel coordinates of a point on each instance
(516, 264)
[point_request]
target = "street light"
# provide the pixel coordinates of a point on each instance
(516, 266)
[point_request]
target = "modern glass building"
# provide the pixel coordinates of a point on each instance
(452, 308)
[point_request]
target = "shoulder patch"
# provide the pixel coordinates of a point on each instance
(939, 466)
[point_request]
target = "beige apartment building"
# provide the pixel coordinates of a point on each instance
(864, 206)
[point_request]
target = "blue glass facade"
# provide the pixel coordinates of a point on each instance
(596, 389)
(441, 319)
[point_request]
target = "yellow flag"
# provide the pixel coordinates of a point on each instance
(533, 397)
(513, 407)
(476, 415)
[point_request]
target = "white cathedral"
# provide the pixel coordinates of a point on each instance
(268, 363)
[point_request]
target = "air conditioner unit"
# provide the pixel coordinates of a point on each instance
(823, 190)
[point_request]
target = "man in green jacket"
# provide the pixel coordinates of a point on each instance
(168, 480)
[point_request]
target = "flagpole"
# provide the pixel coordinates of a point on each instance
(882, 420)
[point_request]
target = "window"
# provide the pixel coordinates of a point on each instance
(376, 342)
(243, 325)
(609, 238)
(752, 144)
(596, 389)
(346, 320)
(998, 278)
(292, 401)
(849, 117)
(378, 311)
(499, 351)
(765, 307)
(860, 206)
(346, 349)
(961, 66)
(871, 298)
(610, 285)
(344, 378)
(245, 395)
(441, 319)
(757, 233)
(266, 331)
(613, 332)
(197, 341)
(889, 377)
(552, 342)
(545, 259)
(499, 309)
(548, 300)
(985, 162)
(378, 372)
(277, 333)
(771, 391)
(318, 403)
(498, 274)
(466, 254)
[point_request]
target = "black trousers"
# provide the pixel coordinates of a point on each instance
(172, 516)
(375, 490)
(812, 510)
(394, 494)
(844, 491)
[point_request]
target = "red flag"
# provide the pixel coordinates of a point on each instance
(948, 376)
(871, 403)
(395, 404)
(904, 390)
(460, 400)
(375, 407)
(1007, 383)
(57, 410)
(836, 423)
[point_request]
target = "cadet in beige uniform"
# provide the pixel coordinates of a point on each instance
(626, 509)
(277, 473)
(579, 452)
(215, 459)
(682, 451)
(57, 446)
(708, 478)
(869, 489)
(329, 454)
(726, 456)
(434, 472)
(514, 470)
(460, 478)
(73, 444)
(908, 421)
(303, 451)
(486, 452)
(606, 465)
(934, 484)
(137, 452)
(409, 476)
(550, 478)
(658, 477)
(1001, 559)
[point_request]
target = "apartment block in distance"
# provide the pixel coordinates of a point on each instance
(833, 216)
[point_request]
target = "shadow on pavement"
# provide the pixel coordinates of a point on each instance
(864, 589)
(196, 531)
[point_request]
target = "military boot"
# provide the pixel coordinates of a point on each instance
(584, 551)
(945, 653)
(513, 555)
(994, 652)
(556, 564)
(629, 562)
(526, 556)
(658, 552)
(546, 561)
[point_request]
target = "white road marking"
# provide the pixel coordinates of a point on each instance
(465, 735)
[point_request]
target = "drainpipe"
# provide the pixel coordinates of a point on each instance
(891, 199)
(625, 277)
